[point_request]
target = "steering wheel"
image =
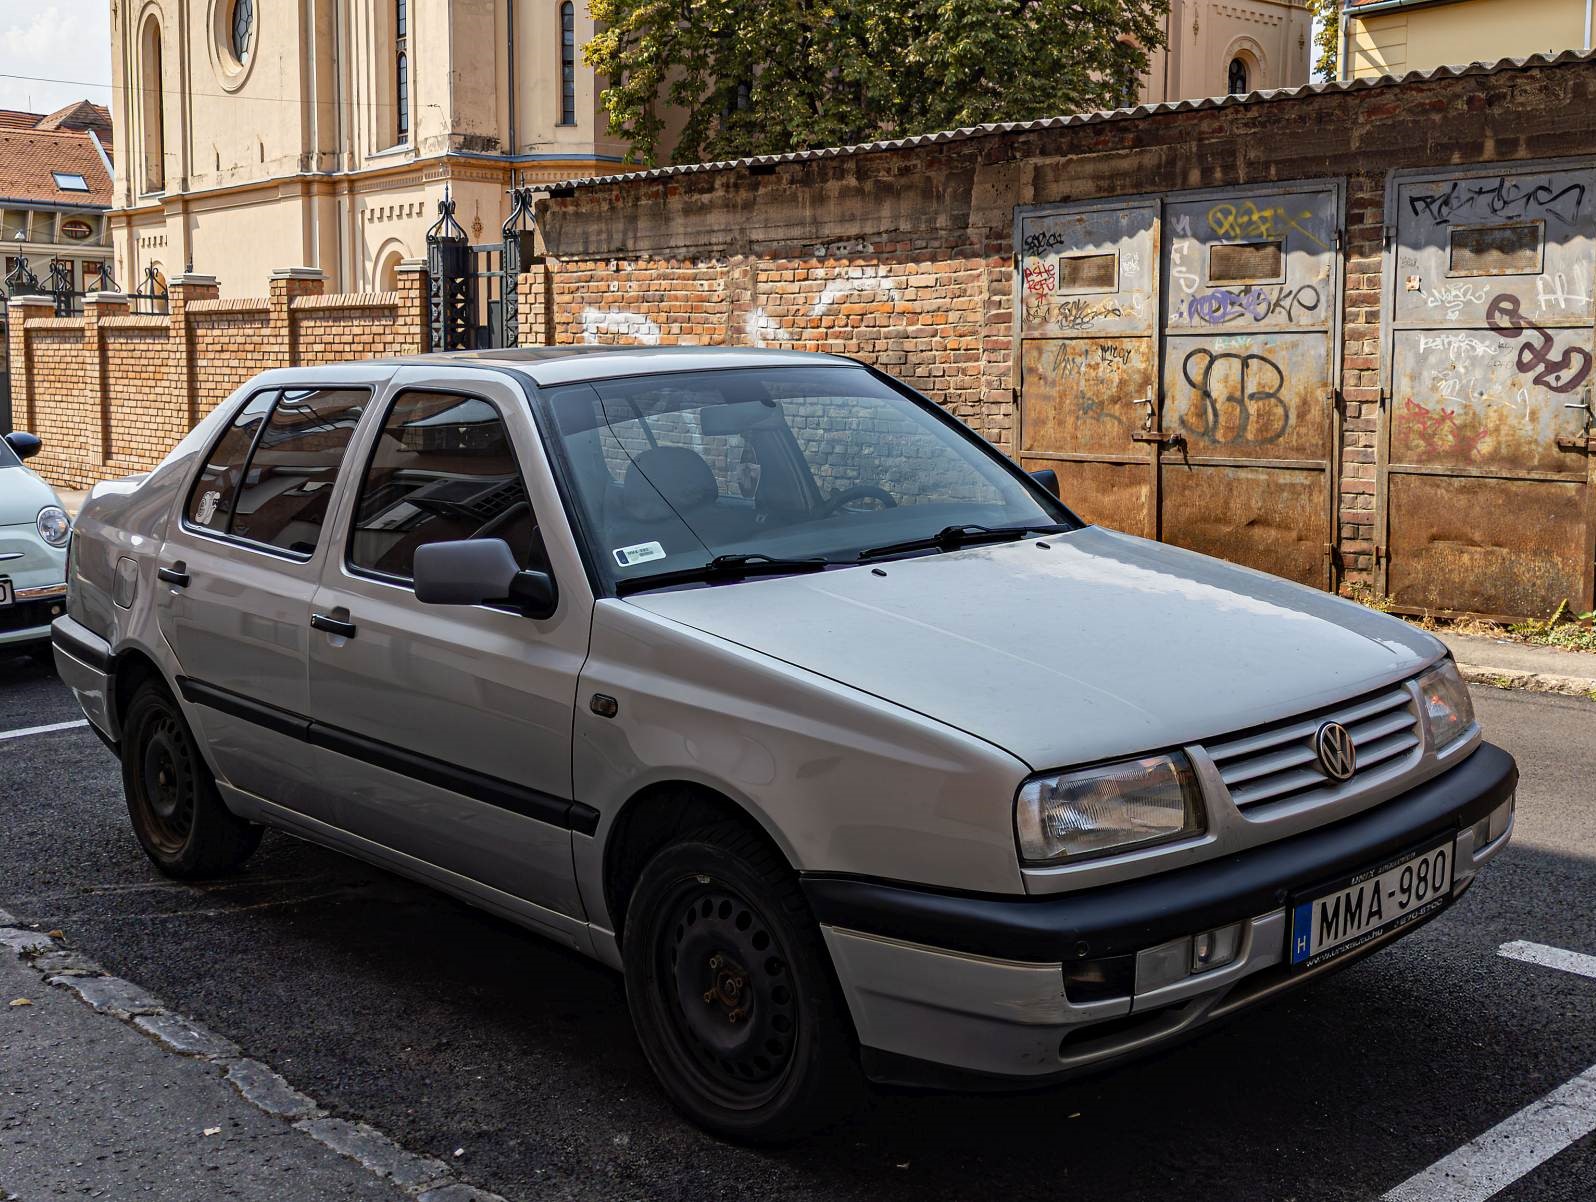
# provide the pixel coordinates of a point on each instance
(858, 492)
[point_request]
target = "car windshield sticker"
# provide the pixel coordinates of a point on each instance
(207, 508)
(641, 553)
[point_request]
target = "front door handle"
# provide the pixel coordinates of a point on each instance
(332, 625)
(176, 575)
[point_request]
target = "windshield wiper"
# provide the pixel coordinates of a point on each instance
(951, 538)
(724, 568)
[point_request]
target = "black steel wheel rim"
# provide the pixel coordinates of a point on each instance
(166, 782)
(725, 985)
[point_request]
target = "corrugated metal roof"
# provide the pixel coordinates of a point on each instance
(1140, 110)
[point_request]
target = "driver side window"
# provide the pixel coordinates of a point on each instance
(443, 470)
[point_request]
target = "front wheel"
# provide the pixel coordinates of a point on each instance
(731, 993)
(178, 816)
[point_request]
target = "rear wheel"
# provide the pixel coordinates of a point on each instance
(178, 816)
(731, 993)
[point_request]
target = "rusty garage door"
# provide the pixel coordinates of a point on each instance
(1486, 492)
(1187, 395)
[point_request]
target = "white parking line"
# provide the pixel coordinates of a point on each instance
(1524, 1141)
(1550, 957)
(42, 730)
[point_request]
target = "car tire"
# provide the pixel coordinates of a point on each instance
(731, 991)
(178, 816)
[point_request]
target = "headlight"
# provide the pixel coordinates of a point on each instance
(1448, 711)
(1111, 807)
(54, 525)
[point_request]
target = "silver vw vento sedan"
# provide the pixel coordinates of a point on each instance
(755, 675)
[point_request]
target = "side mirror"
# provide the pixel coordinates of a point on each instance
(1048, 479)
(481, 571)
(25, 445)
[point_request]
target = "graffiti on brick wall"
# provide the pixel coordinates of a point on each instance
(1238, 398)
(1561, 373)
(1504, 197)
(620, 323)
(761, 329)
(858, 280)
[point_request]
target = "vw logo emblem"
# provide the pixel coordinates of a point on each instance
(1332, 743)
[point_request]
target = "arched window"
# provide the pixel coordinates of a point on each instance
(242, 24)
(567, 63)
(151, 107)
(401, 71)
(1238, 76)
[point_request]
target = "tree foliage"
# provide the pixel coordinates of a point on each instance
(769, 76)
(1326, 36)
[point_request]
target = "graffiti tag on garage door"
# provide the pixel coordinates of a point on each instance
(1562, 373)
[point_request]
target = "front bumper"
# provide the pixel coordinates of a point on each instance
(948, 989)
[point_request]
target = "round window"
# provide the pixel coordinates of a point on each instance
(241, 26)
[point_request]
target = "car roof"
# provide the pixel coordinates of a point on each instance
(554, 365)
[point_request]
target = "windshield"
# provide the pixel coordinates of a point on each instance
(671, 471)
(8, 457)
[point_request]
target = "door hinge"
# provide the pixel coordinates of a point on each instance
(1390, 236)
(1379, 553)
(1336, 239)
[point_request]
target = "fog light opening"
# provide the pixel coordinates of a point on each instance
(1216, 948)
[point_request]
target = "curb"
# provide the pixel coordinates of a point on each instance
(1534, 682)
(422, 1178)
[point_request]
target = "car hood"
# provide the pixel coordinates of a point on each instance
(1094, 644)
(22, 495)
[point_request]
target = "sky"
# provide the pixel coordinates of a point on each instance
(59, 40)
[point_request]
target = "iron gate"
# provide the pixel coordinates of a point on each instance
(1486, 482)
(472, 287)
(1177, 364)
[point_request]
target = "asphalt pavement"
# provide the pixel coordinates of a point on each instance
(466, 1040)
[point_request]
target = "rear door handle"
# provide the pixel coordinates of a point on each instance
(175, 576)
(333, 625)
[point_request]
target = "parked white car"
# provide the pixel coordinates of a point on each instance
(34, 532)
(757, 676)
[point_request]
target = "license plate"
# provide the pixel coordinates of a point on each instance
(6, 595)
(1371, 904)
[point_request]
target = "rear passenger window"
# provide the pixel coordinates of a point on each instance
(271, 474)
(210, 504)
(443, 470)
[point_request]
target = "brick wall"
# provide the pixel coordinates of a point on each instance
(111, 392)
(904, 256)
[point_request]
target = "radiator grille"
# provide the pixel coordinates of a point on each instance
(1279, 762)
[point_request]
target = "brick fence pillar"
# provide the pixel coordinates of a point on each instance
(535, 303)
(414, 325)
(20, 311)
(97, 306)
(288, 284)
(182, 291)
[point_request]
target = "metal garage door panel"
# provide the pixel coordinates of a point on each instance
(1088, 272)
(1463, 402)
(1282, 527)
(1241, 263)
(1489, 546)
(1466, 239)
(1116, 495)
(1264, 396)
(1080, 394)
